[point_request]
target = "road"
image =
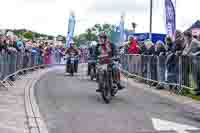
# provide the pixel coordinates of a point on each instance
(71, 105)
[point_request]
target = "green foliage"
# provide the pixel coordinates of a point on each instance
(91, 34)
(50, 37)
(61, 38)
(28, 35)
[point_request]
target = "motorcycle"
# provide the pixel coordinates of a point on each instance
(92, 67)
(106, 82)
(71, 67)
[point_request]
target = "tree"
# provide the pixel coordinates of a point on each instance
(50, 37)
(91, 34)
(28, 35)
(97, 28)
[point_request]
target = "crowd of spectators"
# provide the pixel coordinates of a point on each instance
(13, 44)
(14, 49)
(184, 45)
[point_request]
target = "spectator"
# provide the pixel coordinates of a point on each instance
(47, 53)
(133, 46)
(172, 65)
(160, 52)
(149, 69)
(40, 51)
(169, 45)
(150, 49)
(20, 45)
(12, 58)
(11, 46)
(142, 48)
(179, 42)
(160, 49)
(188, 40)
(58, 54)
(193, 50)
(3, 46)
(192, 45)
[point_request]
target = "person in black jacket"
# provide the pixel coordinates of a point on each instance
(3, 46)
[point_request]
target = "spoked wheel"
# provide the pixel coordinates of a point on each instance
(92, 74)
(106, 95)
(72, 70)
(106, 91)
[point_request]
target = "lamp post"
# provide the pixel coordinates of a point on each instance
(134, 26)
(150, 24)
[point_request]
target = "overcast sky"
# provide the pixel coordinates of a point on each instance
(51, 16)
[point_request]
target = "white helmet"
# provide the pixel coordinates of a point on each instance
(71, 42)
(93, 43)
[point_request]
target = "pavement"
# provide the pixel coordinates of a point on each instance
(12, 112)
(71, 105)
(13, 118)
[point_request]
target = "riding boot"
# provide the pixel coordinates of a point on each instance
(99, 88)
(120, 86)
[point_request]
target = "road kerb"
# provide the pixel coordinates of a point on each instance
(34, 118)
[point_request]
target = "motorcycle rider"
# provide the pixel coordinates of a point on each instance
(108, 50)
(91, 55)
(69, 51)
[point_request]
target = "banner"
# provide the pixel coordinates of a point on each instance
(115, 37)
(170, 17)
(141, 37)
(71, 27)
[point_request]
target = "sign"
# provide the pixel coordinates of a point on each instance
(141, 37)
(170, 18)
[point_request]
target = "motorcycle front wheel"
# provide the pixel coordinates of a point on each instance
(106, 92)
(72, 69)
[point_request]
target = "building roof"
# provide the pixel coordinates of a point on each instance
(195, 25)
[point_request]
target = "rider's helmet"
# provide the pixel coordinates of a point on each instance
(103, 37)
(72, 43)
(102, 34)
(93, 44)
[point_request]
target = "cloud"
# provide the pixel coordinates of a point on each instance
(51, 16)
(138, 6)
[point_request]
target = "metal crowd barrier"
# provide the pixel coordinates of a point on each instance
(179, 71)
(12, 62)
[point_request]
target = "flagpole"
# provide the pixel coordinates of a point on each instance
(150, 24)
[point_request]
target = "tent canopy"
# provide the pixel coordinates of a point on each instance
(195, 25)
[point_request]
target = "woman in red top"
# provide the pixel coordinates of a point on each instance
(133, 46)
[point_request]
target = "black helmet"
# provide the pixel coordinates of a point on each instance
(103, 35)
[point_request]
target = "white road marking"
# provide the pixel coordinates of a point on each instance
(164, 125)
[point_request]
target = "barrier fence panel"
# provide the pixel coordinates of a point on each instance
(181, 71)
(11, 61)
(161, 68)
(178, 71)
(191, 73)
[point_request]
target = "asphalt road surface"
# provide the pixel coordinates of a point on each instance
(71, 105)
